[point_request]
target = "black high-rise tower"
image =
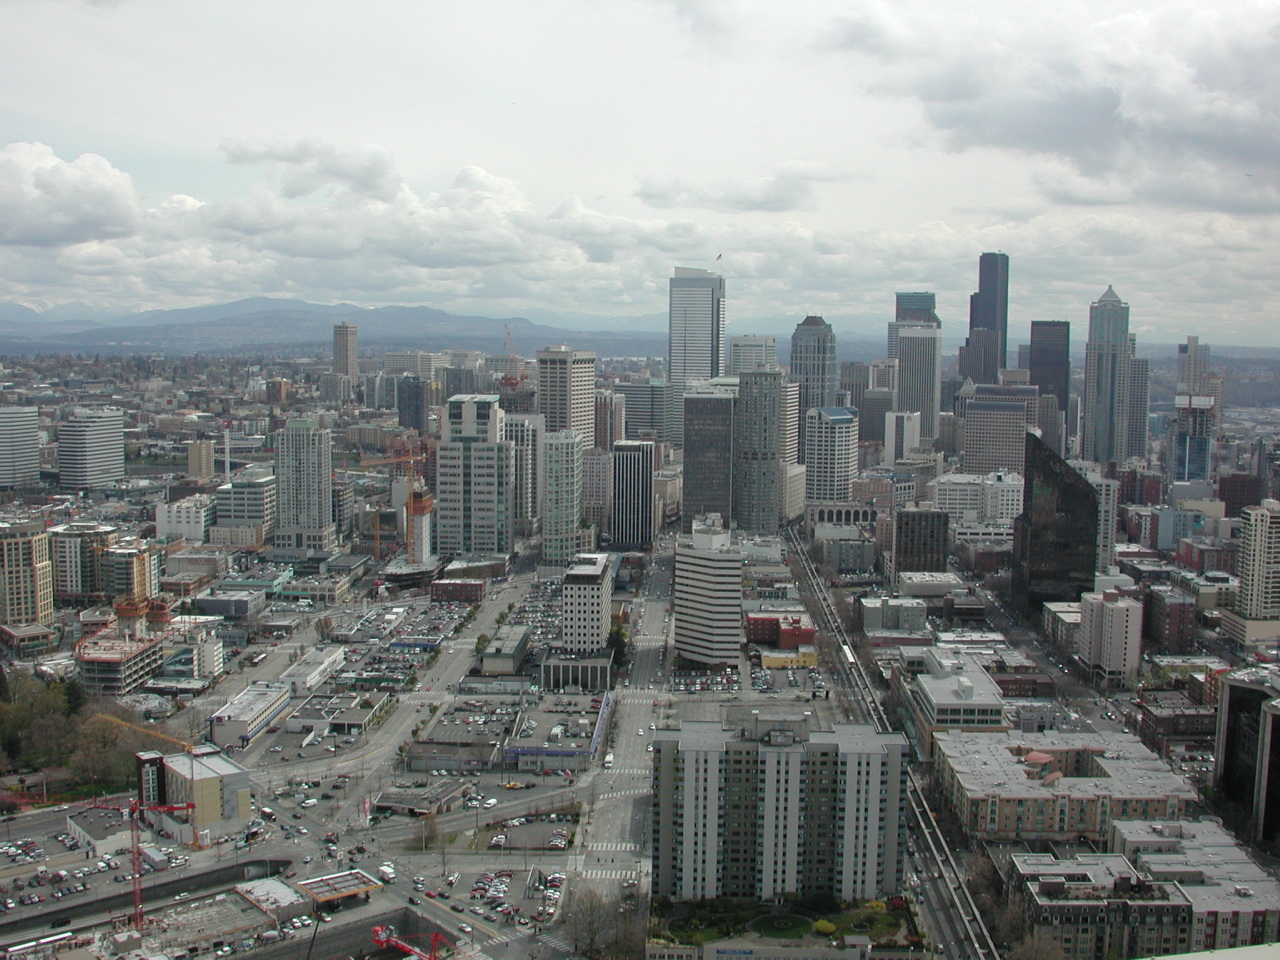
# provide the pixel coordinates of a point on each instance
(989, 307)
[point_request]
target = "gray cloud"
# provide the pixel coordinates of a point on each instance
(1150, 103)
(311, 165)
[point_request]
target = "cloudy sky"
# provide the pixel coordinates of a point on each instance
(556, 158)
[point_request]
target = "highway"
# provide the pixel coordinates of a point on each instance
(958, 927)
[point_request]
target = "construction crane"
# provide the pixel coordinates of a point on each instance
(386, 936)
(188, 747)
(516, 375)
(417, 503)
(131, 809)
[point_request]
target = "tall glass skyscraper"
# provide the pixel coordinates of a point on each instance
(989, 307)
(814, 367)
(1116, 386)
(696, 344)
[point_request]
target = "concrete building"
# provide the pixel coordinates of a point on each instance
(770, 806)
(346, 351)
(994, 434)
(304, 469)
(919, 540)
(610, 419)
(113, 663)
(411, 361)
(587, 603)
(200, 459)
(189, 518)
(920, 375)
(526, 432)
(217, 786)
(1257, 612)
(634, 521)
(475, 489)
(561, 496)
(26, 573)
(567, 389)
(951, 692)
(1053, 786)
(245, 511)
(707, 595)
(966, 498)
(831, 454)
(597, 488)
(19, 446)
(758, 440)
(312, 670)
(77, 550)
(91, 449)
(696, 339)
(1110, 638)
(749, 352)
(249, 713)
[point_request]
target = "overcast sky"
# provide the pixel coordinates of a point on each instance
(549, 157)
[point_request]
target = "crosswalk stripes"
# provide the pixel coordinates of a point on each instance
(506, 938)
(610, 874)
(620, 845)
(624, 793)
(557, 941)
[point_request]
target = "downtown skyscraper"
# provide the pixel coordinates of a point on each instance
(696, 344)
(814, 367)
(304, 489)
(1116, 386)
(989, 307)
(346, 350)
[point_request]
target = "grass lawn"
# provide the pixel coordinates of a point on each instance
(782, 925)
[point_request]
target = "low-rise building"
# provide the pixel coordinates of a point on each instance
(250, 713)
(315, 666)
(953, 692)
(1053, 786)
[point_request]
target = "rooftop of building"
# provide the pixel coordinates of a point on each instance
(335, 886)
(112, 646)
(252, 700)
(203, 766)
(270, 893)
(99, 823)
(587, 568)
(994, 764)
(780, 729)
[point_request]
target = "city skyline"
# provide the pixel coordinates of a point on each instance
(908, 140)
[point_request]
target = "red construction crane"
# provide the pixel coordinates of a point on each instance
(386, 936)
(131, 808)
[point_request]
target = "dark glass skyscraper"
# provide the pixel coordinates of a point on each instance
(1055, 538)
(708, 452)
(813, 366)
(989, 307)
(1050, 360)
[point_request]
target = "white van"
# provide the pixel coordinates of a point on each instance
(490, 803)
(309, 802)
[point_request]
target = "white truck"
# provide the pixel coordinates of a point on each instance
(387, 873)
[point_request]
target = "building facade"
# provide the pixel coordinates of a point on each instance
(561, 496)
(19, 446)
(567, 389)
(831, 454)
(696, 338)
(814, 367)
(475, 479)
(587, 603)
(1116, 386)
(707, 595)
(773, 807)
(91, 449)
(634, 521)
(304, 489)
(26, 573)
(346, 351)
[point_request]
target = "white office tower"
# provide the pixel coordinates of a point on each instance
(91, 449)
(707, 593)
(420, 364)
(772, 807)
(789, 448)
(696, 346)
(1110, 638)
(475, 482)
(304, 489)
(995, 435)
(246, 510)
(883, 375)
(968, 498)
(19, 445)
(920, 375)
(1258, 563)
(561, 496)
(587, 603)
(901, 435)
(525, 433)
(187, 519)
(346, 351)
(1108, 508)
(78, 550)
(747, 352)
(634, 521)
(831, 454)
(567, 390)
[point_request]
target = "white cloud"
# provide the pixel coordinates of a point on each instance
(49, 202)
(789, 188)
